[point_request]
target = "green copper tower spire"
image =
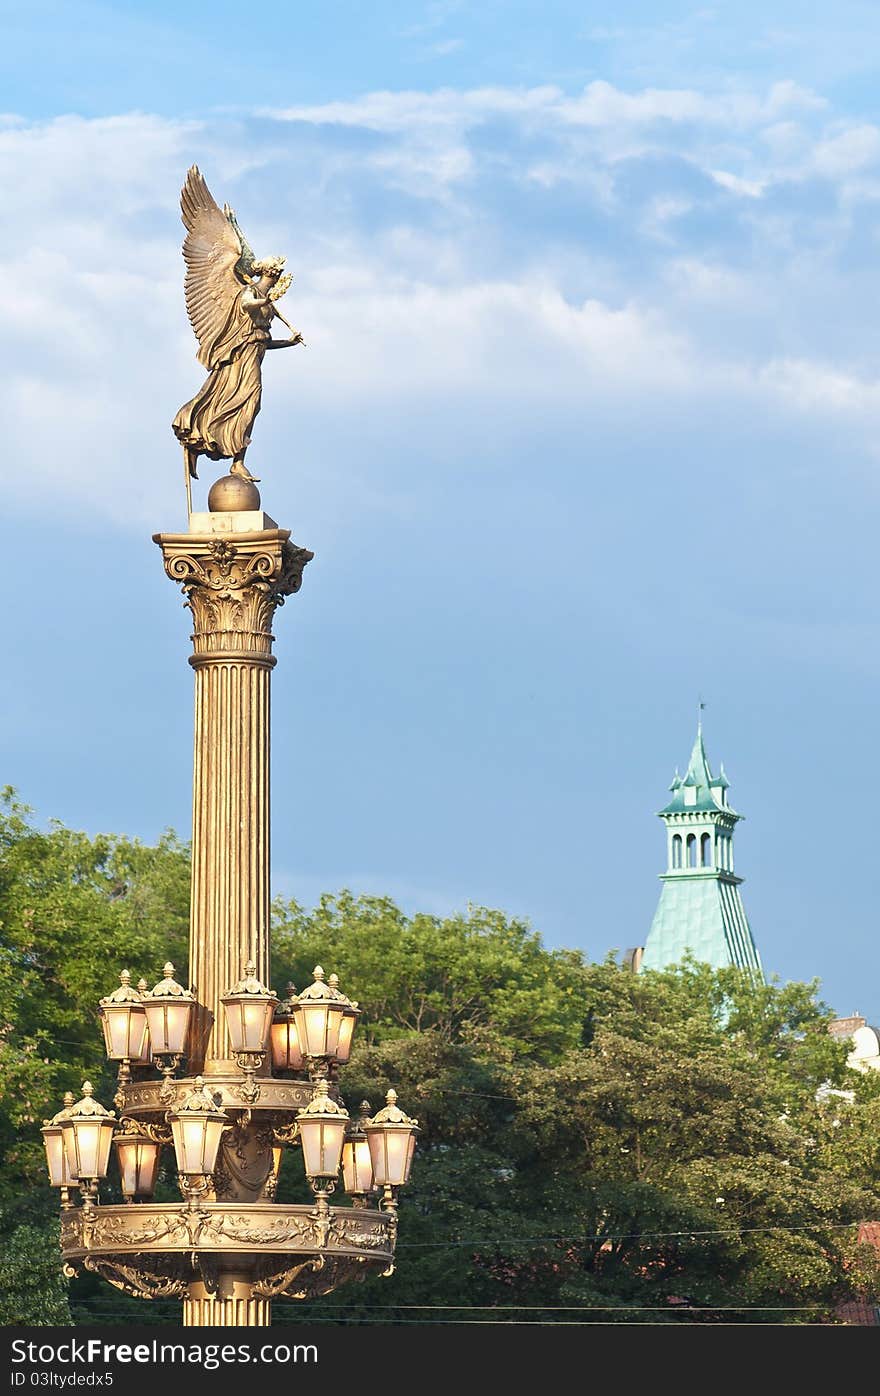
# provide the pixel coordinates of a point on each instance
(701, 910)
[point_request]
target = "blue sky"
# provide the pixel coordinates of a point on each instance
(585, 428)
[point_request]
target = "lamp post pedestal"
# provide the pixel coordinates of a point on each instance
(232, 1304)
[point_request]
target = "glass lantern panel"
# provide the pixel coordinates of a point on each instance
(279, 1038)
(357, 1166)
(235, 1024)
(257, 1017)
(56, 1158)
(155, 1014)
(346, 1033)
(376, 1140)
(82, 1145)
(140, 1038)
(278, 1045)
(138, 1166)
(322, 1142)
(125, 1027)
(188, 1132)
(168, 1021)
(127, 1154)
(334, 1138)
(177, 1016)
(117, 1020)
(310, 1138)
(104, 1142)
(87, 1139)
(409, 1155)
(213, 1133)
(311, 1022)
(396, 1149)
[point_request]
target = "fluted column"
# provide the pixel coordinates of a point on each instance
(232, 584)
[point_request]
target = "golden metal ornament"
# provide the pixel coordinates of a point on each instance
(230, 300)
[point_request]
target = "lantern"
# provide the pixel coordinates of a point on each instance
(196, 1127)
(86, 1133)
(168, 1009)
(357, 1163)
(322, 1125)
(348, 1024)
(249, 1006)
(126, 1037)
(284, 1039)
(392, 1139)
(56, 1159)
(319, 1011)
(138, 1158)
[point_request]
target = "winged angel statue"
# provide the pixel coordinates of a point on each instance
(230, 300)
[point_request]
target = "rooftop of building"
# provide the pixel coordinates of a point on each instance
(698, 790)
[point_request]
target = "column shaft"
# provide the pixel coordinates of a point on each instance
(233, 585)
(230, 872)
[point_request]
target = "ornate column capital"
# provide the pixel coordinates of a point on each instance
(232, 587)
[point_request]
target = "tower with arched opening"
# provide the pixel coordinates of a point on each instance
(701, 910)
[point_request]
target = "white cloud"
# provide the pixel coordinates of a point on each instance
(849, 152)
(819, 387)
(751, 188)
(600, 105)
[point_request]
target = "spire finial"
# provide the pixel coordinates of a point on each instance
(700, 706)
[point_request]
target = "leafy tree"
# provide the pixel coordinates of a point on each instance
(32, 1288)
(457, 977)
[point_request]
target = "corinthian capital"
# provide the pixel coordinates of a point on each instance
(232, 587)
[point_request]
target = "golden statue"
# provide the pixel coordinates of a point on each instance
(230, 300)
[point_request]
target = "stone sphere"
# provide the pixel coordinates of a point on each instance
(231, 495)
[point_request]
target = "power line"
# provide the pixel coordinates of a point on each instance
(628, 1235)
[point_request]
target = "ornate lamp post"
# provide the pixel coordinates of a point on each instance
(260, 1078)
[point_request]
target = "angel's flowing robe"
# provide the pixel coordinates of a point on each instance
(217, 421)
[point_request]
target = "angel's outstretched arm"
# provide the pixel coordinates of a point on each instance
(286, 343)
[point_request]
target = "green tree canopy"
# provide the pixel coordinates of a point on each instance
(665, 1145)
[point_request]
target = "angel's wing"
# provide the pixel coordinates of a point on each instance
(212, 251)
(246, 261)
